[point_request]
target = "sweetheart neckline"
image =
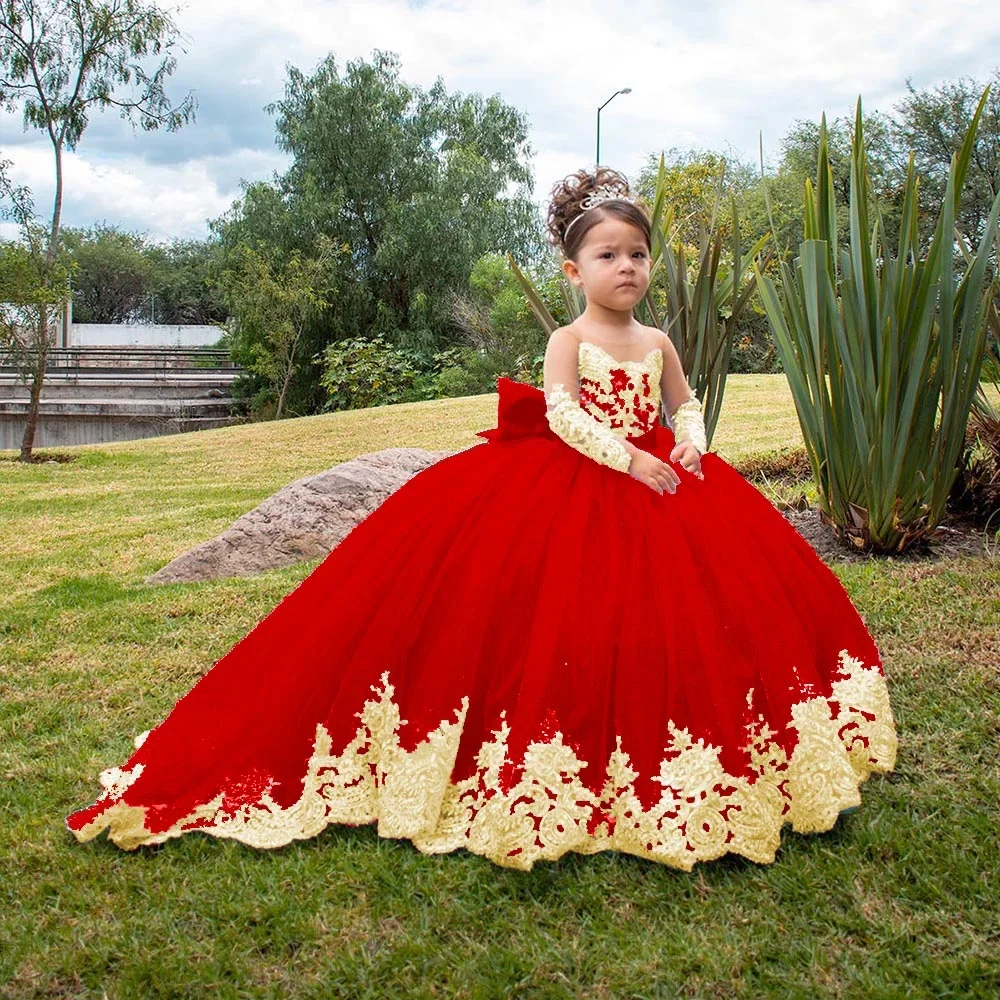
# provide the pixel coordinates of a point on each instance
(642, 363)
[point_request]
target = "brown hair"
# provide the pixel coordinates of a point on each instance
(565, 206)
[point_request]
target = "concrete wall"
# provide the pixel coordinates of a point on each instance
(68, 429)
(141, 335)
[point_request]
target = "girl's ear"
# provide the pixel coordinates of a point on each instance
(571, 271)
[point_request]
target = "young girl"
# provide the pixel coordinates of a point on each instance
(586, 634)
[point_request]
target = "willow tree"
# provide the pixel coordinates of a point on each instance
(59, 61)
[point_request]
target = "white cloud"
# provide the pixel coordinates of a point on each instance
(708, 77)
(162, 200)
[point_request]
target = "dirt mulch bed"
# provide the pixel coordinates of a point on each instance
(955, 537)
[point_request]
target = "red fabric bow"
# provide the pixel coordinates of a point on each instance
(520, 412)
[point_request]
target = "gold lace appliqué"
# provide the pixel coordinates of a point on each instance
(624, 395)
(702, 813)
(689, 424)
(581, 431)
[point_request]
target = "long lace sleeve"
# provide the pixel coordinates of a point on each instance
(581, 431)
(689, 425)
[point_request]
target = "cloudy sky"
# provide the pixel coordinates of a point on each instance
(705, 74)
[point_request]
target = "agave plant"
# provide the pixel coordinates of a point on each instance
(882, 352)
(702, 309)
(976, 492)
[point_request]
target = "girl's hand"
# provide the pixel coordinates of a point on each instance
(654, 472)
(688, 456)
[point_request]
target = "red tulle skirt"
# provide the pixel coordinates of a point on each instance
(522, 653)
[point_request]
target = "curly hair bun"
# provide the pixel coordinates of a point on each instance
(569, 194)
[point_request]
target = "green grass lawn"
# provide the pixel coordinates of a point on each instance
(901, 899)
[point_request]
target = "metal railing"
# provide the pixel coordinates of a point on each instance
(77, 359)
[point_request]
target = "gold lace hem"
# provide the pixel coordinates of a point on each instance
(702, 813)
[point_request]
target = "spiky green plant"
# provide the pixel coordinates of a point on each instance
(882, 351)
(976, 492)
(702, 308)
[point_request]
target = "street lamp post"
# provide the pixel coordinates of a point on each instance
(624, 90)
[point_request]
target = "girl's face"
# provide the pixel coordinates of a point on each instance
(612, 265)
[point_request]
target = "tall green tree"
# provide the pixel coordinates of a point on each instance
(270, 306)
(184, 288)
(114, 276)
(30, 291)
(60, 60)
(886, 169)
(418, 183)
(933, 123)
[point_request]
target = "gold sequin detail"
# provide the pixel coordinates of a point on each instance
(702, 813)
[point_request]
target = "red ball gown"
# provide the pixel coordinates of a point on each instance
(523, 652)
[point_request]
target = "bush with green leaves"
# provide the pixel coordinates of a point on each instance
(361, 372)
(499, 333)
(473, 372)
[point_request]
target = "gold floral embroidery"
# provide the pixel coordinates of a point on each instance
(689, 424)
(617, 400)
(581, 431)
(115, 781)
(624, 395)
(703, 812)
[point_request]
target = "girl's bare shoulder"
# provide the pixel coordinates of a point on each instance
(657, 338)
(569, 330)
(564, 337)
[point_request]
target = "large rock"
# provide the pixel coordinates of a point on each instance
(303, 520)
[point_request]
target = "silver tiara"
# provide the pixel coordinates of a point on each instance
(603, 193)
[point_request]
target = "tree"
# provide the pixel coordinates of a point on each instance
(933, 123)
(113, 275)
(59, 60)
(886, 167)
(270, 306)
(29, 295)
(123, 277)
(184, 288)
(696, 183)
(709, 194)
(420, 184)
(33, 288)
